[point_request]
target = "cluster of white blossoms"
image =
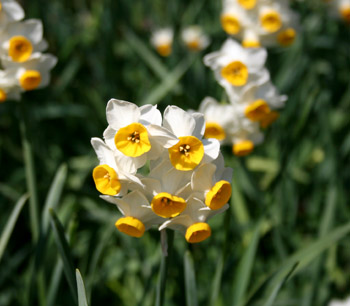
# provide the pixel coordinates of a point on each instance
(339, 9)
(186, 181)
(253, 99)
(23, 66)
(260, 22)
(192, 36)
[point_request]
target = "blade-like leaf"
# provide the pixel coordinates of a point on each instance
(11, 223)
(244, 269)
(65, 253)
(190, 280)
(81, 289)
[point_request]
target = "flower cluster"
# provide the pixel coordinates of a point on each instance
(254, 100)
(193, 37)
(260, 22)
(23, 66)
(340, 9)
(186, 181)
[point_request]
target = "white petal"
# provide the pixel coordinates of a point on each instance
(200, 125)
(150, 115)
(211, 149)
(202, 177)
(178, 121)
(162, 136)
(121, 113)
(123, 206)
(103, 152)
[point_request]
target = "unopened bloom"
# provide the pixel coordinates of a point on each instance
(194, 38)
(162, 40)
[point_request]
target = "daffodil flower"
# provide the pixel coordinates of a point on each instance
(191, 149)
(137, 213)
(136, 132)
(116, 173)
(22, 40)
(236, 68)
(192, 223)
(340, 9)
(34, 73)
(10, 11)
(162, 40)
(194, 38)
(9, 90)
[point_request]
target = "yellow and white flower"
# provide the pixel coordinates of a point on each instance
(115, 174)
(22, 40)
(162, 41)
(236, 68)
(194, 38)
(340, 9)
(9, 90)
(192, 223)
(137, 213)
(34, 73)
(10, 11)
(136, 132)
(191, 148)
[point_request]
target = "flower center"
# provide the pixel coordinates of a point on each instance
(243, 147)
(198, 232)
(164, 49)
(132, 140)
(251, 43)
(257, 110)
(30, 79)
(194, 45)
(130, 226)
(187, 153)
(20, 49)
(271, 21)
(230, 24)
(286, 37)
(167, 206)
(214, 130)
(269, 119)
(247, 4)
(235, 73)
(345, 13)
(106, 180)
(218, 195)
(3, 95)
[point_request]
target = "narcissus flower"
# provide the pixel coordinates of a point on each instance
(8, 86)
(194, 38)
(192, 223)
(162, 41)
(178, 156)
(340, 9)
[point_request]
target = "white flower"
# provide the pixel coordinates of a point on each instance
(34, 73)
(192, 222)
(236, 68)
(162, 40)
(22, 40)
(136, 131)
(115, 174)
(10, 11)
(340, 9)
(194, 38)
(191, 149)
(138, 214)
(345, 302)
(9, 90)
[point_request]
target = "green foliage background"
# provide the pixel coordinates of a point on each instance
(293, 190)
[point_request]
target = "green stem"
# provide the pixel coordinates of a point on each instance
(163, 269)
(30, 174)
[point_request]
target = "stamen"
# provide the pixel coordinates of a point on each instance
(185, 149)
(134, 137)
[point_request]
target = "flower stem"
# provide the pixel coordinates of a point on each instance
(164, 267)
(30, 173)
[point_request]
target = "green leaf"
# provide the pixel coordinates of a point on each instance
(65, 253)
(168, 82)
(244, 269)
(190, 280)
(81, 289)
(11, 223)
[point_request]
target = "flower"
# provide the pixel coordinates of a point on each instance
(162, 40)
(8, 86)
(191, 148)
(136, 132)
(345, 302)
(340, 9)
(236, 68)
(194, 38)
